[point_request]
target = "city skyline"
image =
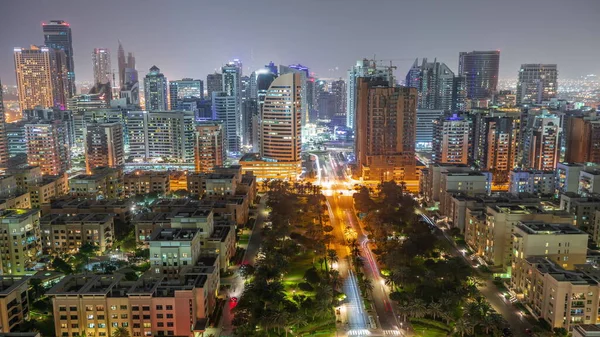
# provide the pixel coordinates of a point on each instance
(324, 54)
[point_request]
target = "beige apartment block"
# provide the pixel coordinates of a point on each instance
(63, 233)
(20, 243)
(14, 303)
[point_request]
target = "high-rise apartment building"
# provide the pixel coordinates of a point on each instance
(452, 137)
(57, 35)
(537, 83)
(20, 240)
(210, 146)
(161, 134)
(363, 68)
(47, 146)
(224, 111)
(496, 145)
(185, 88)
(582, 139)
(339, 91)
(434, 83)
(155, 90)
(104, 146)
(425, 128)
(541, 142)
(480, 71)
(385, 130)
(41, 77)
(264, 78)
(102, 66)
(232, 86)
(4, 154)
(214, 83)
(280, 132)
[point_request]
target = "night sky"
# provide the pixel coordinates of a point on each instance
(190, 38)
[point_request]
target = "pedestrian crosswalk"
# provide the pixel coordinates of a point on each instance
(391, 333)
(359, 332)
(365, 332)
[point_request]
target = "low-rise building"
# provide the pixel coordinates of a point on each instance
(146, 223)
(177, 181)
(63, 233)
(145, 182)
(532, 182)
(14, 303)
(222, 243)
(104, 183)
(151, 306)
(567, 177)
(583, 208)
(18, 200)
(174, 248)
(564, 299)
(589, 181)
(269, 169)
(48, 188)
(20, 243)
(562, 243)
(121, 209)
(492, 239)
(586, 330)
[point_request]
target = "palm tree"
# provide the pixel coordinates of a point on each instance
(336, 280)
(332, 257)
(435, 309)
(463, 326)
(121, 332)
(419, 308)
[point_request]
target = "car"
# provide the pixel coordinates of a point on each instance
(506, 332)
(234, 299)
(529, 332)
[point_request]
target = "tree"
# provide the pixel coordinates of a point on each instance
(463, 326)
(121, 332)
(62, 266)
(37, 289)
(419, 308)
(435, 309)
(332, 257)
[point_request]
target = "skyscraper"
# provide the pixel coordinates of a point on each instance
(452, 139)
(281, 121)
(214, 83)
(3, 137)
(185, 88)
(232, 86)
(224, 110)
(305, 75)
(480, 70)
(434, 82)
(496, 146)
(48, 147)
(41, 77)
(541, 141)
(57, 35)
(210, 146)
(155, 90)
(385, 130)
(102, 68)
(537, 83)
(338, 89)
(264, 79)
(104, 146)
(126, 76)
(364, 68)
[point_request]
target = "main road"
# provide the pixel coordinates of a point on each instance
(379, 319)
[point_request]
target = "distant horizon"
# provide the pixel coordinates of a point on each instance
(196, 38)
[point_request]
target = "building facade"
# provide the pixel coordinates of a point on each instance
(480, 71)
(41, 77)
(57, 35)
(209, 147)
(155, 90)
(537, 83)
(47, 147)
(452, 139)
(102, 66)
(20, 240)
(385, 131)
(104, 146)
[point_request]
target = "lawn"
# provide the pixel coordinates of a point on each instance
(427, 330)
(244, 239)
(296, 269)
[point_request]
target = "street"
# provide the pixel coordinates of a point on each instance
(236, 282)
(338, 191)
(509, 312)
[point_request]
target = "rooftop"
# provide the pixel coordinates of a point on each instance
(541, 228)
(10, 283)
(174, 234)
(17, 214)
(61, 219)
